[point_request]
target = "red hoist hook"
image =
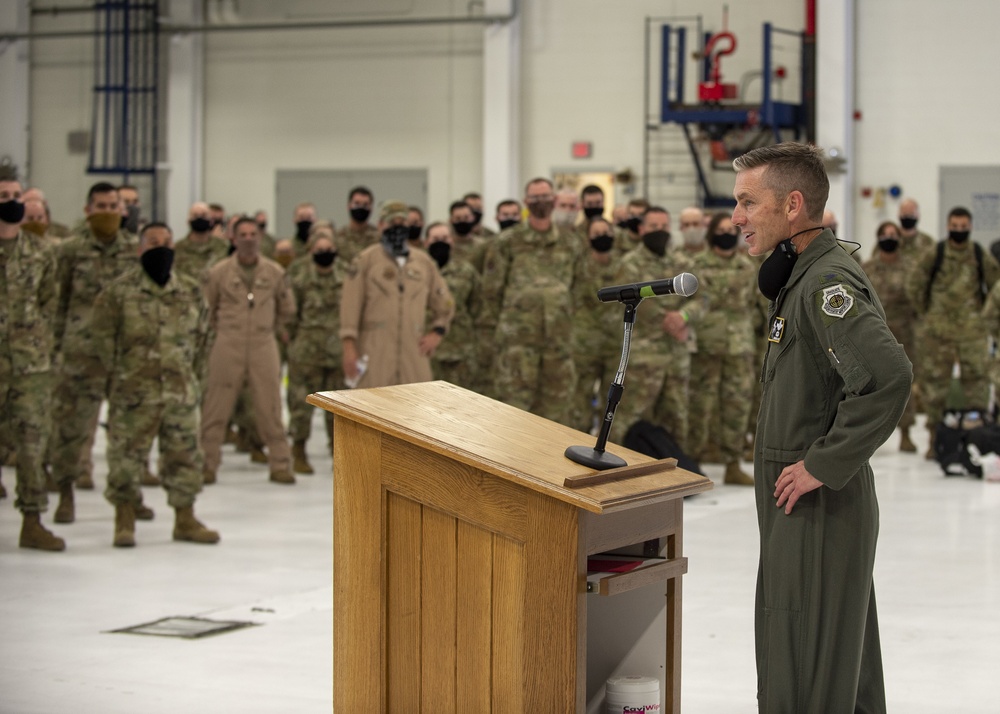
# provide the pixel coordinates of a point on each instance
(714, 89)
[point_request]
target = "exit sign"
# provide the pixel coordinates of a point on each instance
(582, 149)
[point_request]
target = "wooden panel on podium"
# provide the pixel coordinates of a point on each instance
(460, 555)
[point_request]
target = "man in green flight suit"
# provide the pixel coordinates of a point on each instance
(835, 382)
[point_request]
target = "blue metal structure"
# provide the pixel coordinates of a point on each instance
(125, 127)
(717, 119)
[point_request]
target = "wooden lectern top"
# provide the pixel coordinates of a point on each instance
(505, 441)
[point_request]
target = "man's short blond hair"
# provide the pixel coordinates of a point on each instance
(791, 166)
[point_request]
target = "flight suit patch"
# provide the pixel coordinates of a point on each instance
(836, 301)
(777, 330)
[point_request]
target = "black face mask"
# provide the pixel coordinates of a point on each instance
(775, 271)
(958, 236)
(657, 241)
(200, 225)
(130, 221)
(633, 223)
(476, 217)
(11, 211)
(592, 212)
(395, 238)
(302, 230)
(157, 263)
(463, 228)
(602, 243)
(324, 258)
(888, 245)
(507, 223)
(440, 251)
(908, 222)
(360, 215)
(725, 241)
(541, 209)
(415, 232)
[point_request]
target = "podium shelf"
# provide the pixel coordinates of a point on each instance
(659, 571)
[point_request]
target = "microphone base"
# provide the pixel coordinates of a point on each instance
(597, 460)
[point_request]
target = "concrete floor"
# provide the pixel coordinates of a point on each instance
(937, 578)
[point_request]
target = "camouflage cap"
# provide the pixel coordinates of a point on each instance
(393, 209)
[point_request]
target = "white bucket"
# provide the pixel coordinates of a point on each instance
(632, 695)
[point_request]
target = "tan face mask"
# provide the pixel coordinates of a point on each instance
(105, 225)
(35, 227)
(284, 259)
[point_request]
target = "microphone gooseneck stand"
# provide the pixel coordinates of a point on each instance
(597, 458)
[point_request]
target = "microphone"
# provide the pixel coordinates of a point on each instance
(684, 284)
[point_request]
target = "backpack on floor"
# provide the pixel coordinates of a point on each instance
(954, 434)
(652, 440)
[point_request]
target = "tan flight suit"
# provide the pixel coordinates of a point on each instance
(246, 352)
(384, 308)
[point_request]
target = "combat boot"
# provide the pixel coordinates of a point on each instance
(149, 478)
(905, 444)
(300, 462)
(257, 455)
(85, 482)
(65, 511)
(282, 476)
(124, 525)
(931, 455)
(207, 476)
(143, 512)
(35, 535)
(189, 528)
(735, 476)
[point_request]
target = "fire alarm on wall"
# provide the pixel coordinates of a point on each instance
(582, 149)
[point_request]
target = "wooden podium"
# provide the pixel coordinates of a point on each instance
(460, 557)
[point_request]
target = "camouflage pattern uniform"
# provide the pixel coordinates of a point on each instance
(952, 327)
(151, 340)
(193, 258)
(455, 358)
(86, 266)
(314, 354)
(889, 280)
(351, 242)
(27, 307)
(471, 249)
(527, 303)
(722, 371)
(597, 338)
(659, 369)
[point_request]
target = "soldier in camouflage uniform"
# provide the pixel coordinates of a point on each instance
(912, 241)
(527, 299)
(656, 384)
(27, 307)
(200, 250)
(888, 271)
(466, 246)
(314, 353)
(455, 358)
(149, 329)
(475, 202)
(36, 223)
(597, 328)
(88, 262)
(722, 371)
(948, 296)
(358, 234)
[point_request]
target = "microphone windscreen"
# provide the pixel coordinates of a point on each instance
(685, 284)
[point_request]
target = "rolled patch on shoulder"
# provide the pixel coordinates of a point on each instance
(836, 300)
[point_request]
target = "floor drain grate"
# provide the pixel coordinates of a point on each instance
(189, 628)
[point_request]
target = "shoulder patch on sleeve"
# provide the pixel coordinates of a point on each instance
(836, 301)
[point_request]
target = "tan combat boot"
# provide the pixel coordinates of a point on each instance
(282, 476)
(85, 482)
(300, 462)
(257, 455)
(931, 455)
(143, 512)
(149, 478)
(905, 444)
(189, 528)
(736, 476)
(207, 476)
(124, 525)
(65, 511)
(35, 535)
